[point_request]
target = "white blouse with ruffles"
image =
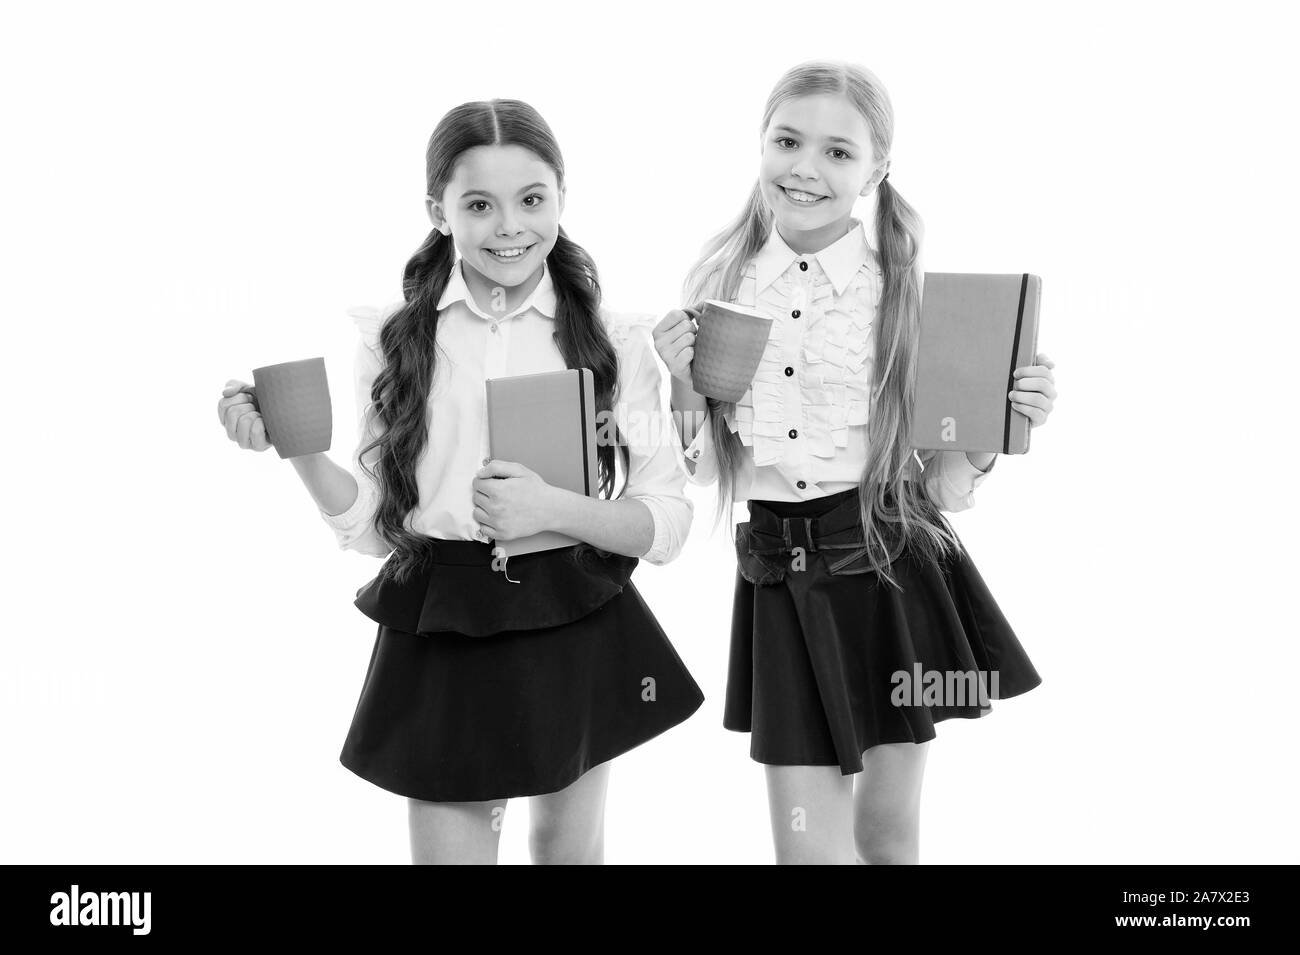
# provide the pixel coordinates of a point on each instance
(474, 346)
(804, 417)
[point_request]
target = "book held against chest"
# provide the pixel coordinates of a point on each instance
(547, 423)
(976, 329)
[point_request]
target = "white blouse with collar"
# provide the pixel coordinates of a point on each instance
(474, 346)
(804, 418)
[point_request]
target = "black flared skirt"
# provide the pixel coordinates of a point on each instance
(479, 688)
(828, 660)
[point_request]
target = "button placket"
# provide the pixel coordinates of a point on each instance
(793, 395)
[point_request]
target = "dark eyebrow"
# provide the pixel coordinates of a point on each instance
(484, 192)
(829, 139)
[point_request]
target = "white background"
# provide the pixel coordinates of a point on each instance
(191, 191)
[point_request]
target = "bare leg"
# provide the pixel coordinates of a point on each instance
(568, 827)
(455, 833)
(887, 804)
(812, 815)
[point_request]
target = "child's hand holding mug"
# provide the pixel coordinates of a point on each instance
(714, 347)
(674, 339)
(239, 412)
(287, 408)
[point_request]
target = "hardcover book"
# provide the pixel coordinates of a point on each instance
(975, 331)
(546, 422)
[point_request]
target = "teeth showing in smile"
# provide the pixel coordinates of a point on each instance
(806, 197)
(510, 253)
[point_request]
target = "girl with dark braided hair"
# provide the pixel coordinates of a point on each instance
(484, 684)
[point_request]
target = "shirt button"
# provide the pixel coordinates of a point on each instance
(795, 313)
(801, 484)
(803, 266)
(696, 454)
(494, 326)
(788, 371)
(485, 461)
(794, 433)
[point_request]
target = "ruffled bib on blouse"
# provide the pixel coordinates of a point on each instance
(836, 370)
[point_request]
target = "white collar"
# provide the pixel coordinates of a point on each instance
(541, 298)
(840, 260)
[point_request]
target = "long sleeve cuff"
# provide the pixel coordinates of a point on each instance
(700, 457)
(354, 528)
(952, 480)
(672, 523)
(353, 517)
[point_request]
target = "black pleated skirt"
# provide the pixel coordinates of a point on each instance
(828, 660)
(479, 688)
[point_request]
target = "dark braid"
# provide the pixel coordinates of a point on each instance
(400, 395)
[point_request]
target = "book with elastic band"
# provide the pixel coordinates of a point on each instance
(547, 423)
(976, 329)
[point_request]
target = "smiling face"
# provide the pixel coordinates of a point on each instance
(502, 208)
(817, 160)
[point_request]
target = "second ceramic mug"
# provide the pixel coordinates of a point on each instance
(728, 348)
(294, 399)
